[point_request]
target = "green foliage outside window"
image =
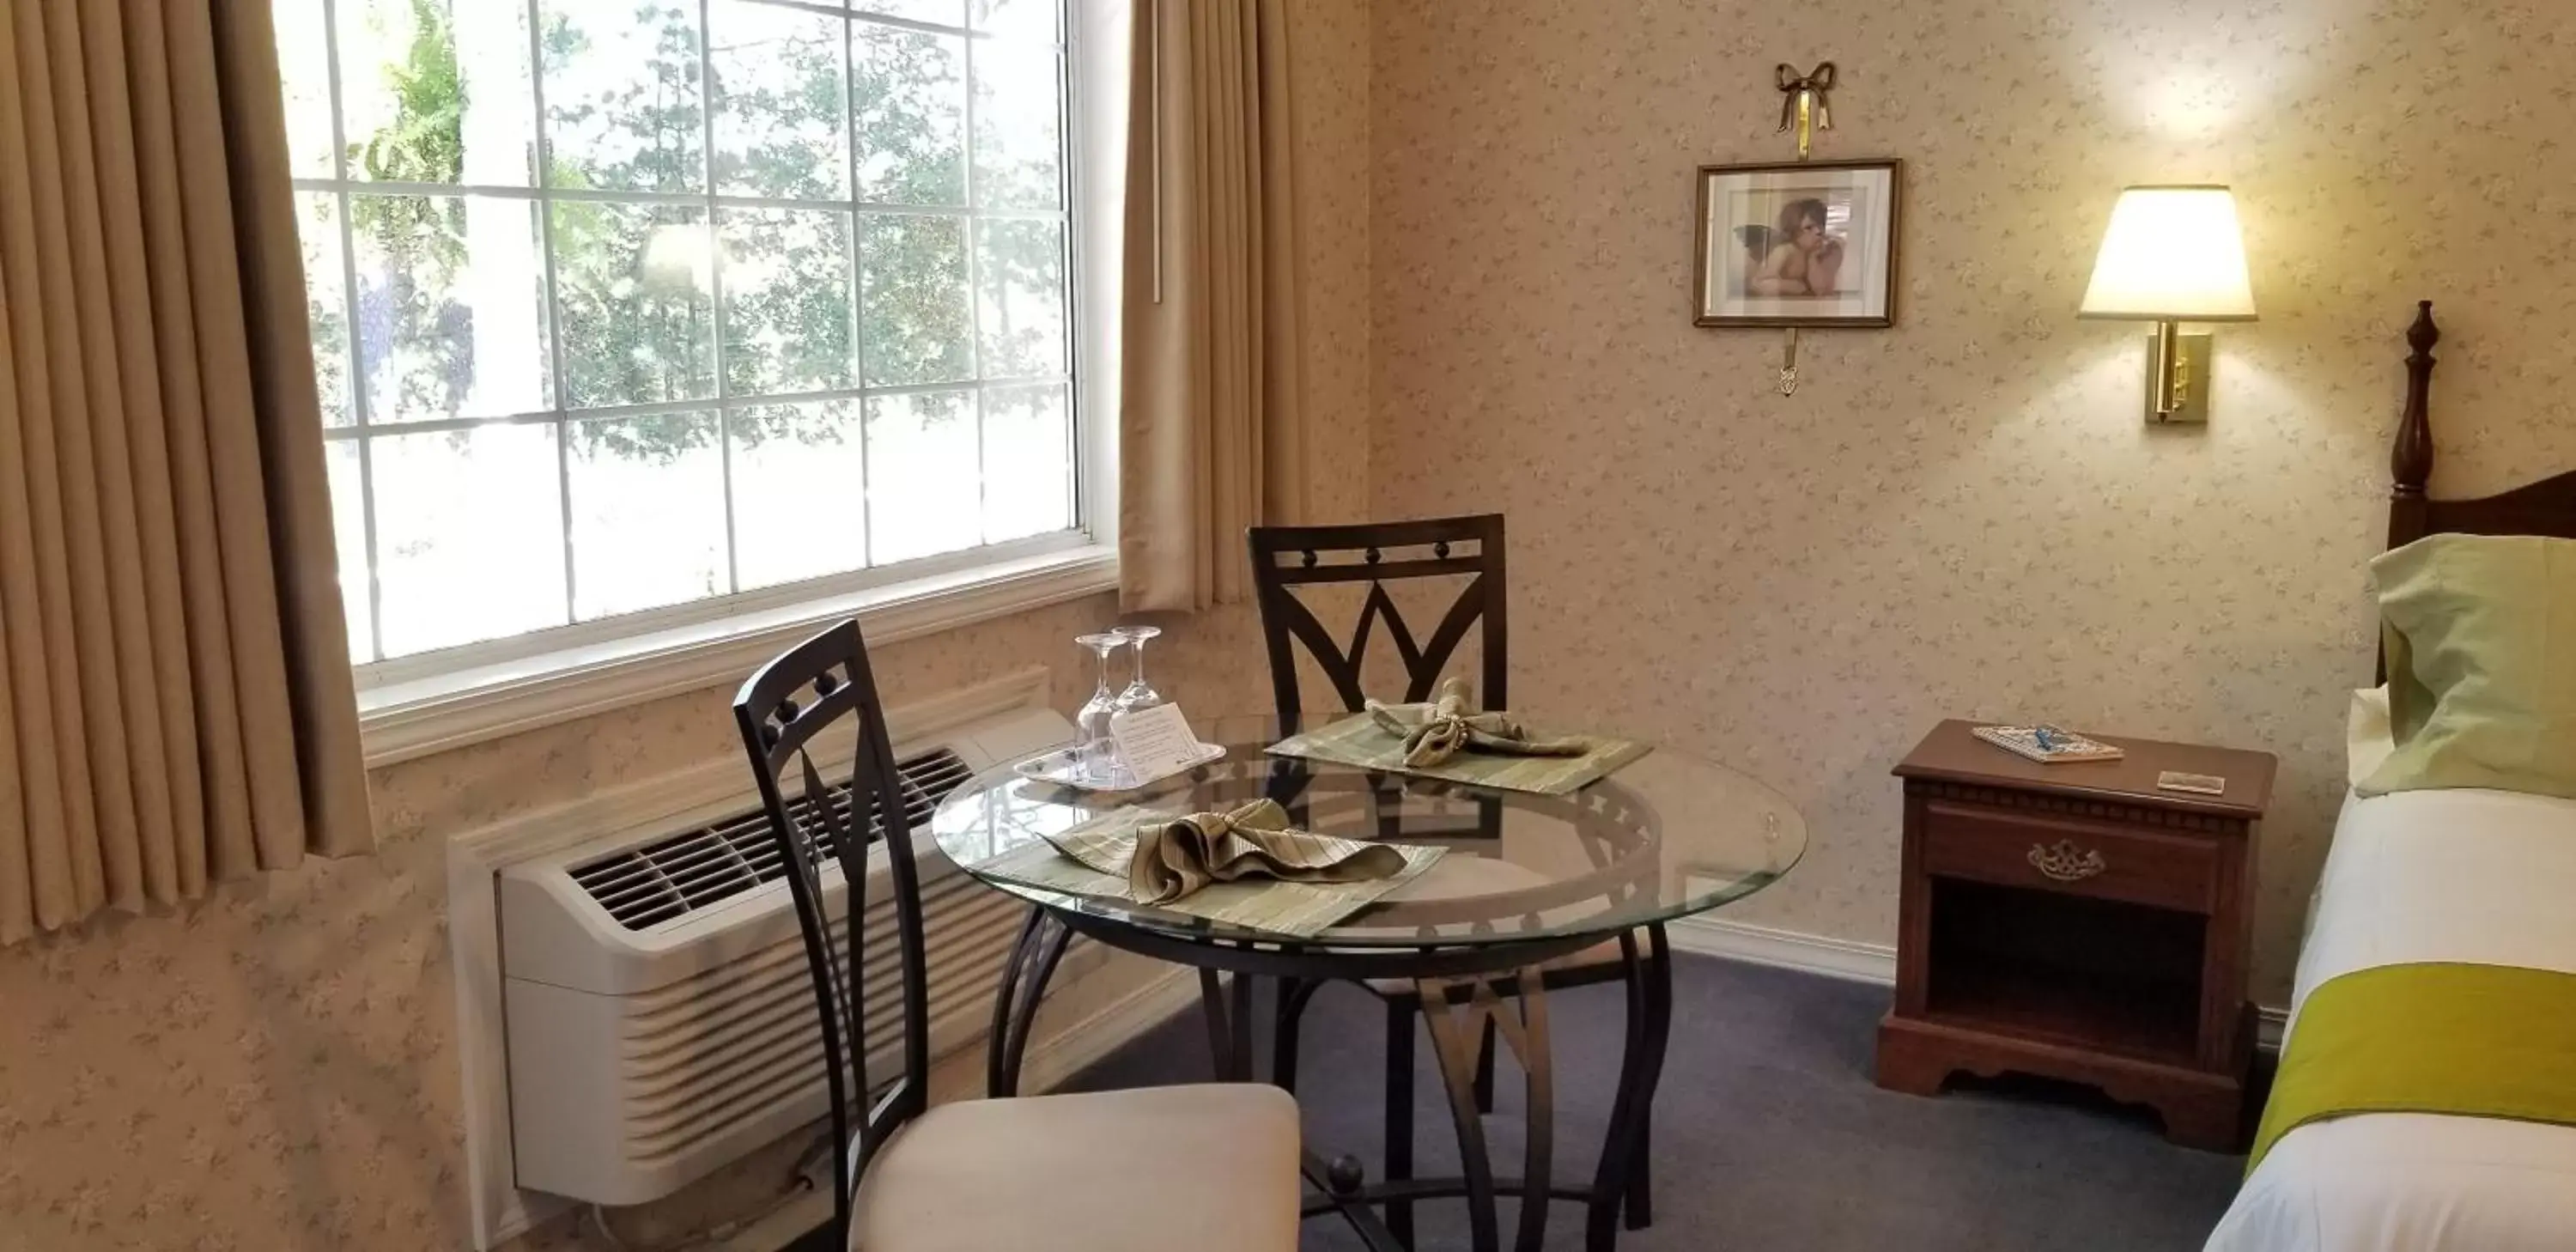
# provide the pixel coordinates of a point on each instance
(639, 321)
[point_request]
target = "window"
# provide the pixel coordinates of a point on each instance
(614, 302)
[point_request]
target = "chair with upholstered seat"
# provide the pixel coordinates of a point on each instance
(1166, 1169)
(1285, 558)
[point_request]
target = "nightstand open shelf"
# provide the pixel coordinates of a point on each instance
(2101, 975)
(2072, 921)
(2151, 1019)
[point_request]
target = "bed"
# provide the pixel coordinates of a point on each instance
(2402, 885)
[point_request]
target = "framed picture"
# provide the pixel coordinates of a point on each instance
(1800, 243)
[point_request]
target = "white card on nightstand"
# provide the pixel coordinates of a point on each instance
(1154, 742)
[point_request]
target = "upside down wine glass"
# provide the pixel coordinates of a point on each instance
(1095, 753)
(1138, 694)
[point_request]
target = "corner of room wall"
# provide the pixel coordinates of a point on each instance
(1962, 515)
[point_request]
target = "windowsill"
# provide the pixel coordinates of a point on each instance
(441, 712)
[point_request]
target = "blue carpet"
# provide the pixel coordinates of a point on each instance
(1769, 1135)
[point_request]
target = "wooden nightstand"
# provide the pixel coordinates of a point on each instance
(2074, 921)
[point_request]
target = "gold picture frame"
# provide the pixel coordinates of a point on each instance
(1798, 243)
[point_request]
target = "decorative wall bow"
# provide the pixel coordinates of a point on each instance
(1803, 103)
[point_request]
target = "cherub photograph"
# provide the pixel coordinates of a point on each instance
(1804, 244)
(1801, 254)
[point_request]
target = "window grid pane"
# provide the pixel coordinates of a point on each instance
(722, 578)
(609, 280)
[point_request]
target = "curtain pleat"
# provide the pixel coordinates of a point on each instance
(176, 686)
(225, 769)
(169, 871)
(114, 612)
(64, 872)
(304, 560)
(1210, 422)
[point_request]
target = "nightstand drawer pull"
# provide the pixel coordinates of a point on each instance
(2067, 862)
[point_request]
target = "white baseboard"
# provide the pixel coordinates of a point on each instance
(2270, 1024)
(1847, 959)
(1851, 960)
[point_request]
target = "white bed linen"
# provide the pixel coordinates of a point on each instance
(2484, 877)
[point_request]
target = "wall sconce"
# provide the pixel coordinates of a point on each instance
(2173, 254)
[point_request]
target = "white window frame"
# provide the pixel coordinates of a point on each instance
(425, 703)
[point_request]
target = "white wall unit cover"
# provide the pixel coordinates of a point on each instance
(660, 1019)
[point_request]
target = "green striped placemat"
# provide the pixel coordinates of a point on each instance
(1299, 909)
(1359, 740)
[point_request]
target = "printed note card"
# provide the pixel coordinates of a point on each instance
(1155, 742)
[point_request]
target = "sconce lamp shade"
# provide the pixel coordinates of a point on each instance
(2172, 254)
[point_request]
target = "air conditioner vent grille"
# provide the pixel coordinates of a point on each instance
(698, 869)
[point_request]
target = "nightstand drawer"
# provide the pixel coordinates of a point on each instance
(2070, 855)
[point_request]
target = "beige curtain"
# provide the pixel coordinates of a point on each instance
(175, 695)
(1210, 434)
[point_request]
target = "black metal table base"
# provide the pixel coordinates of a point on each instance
(1469, 996)
(1025, 973)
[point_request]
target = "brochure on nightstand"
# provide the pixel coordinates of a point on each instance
(2047, 744)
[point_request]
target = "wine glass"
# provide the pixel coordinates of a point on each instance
(1138, 695)
(1095, 753)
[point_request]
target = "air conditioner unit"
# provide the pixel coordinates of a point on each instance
(659, 1015)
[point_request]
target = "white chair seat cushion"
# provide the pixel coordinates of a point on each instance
(1157, 1169)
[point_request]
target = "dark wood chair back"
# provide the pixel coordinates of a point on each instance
(784, 712)
(1288, 557)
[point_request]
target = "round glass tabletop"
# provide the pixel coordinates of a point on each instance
(1662, 837)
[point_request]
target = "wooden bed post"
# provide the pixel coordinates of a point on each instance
(2410, 462)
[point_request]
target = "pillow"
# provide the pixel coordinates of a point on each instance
(2481, 636)
(2366, 740)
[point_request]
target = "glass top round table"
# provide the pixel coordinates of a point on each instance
(1522, 880)
(1664, 836)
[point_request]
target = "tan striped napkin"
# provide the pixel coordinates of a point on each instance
(1479, 749)
(1097, 857)
(1164, 861)
(1434, 732)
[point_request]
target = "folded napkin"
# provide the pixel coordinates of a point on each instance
(1172, 858)
(1445, 727)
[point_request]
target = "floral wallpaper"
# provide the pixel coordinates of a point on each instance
(1959, 516)
(274, 1068)
(1964, 515)
(1329, 51)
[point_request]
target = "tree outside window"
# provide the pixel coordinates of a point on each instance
(619, 304)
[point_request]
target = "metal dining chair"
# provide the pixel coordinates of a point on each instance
(1285, 558)
(1181, 1168)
